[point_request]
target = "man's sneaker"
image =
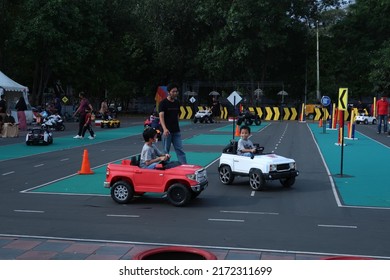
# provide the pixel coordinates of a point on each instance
(91, 137)
(78, 137)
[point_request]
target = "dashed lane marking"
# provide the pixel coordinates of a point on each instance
(28, 211)
(338, 226)
(226, 220)
(249, 212)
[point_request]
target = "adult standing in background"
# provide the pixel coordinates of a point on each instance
(20, 107)
(169, 109)
(3, 110)
(382, 109)
(84, 105)
(58, 106)
(104, 109)
(216, 109)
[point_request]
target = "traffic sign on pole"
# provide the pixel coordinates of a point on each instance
(343, 99)
(325, 101)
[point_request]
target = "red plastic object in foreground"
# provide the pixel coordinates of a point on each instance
(347, 258)
(175, 253)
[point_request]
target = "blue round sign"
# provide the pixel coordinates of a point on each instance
(325, 100)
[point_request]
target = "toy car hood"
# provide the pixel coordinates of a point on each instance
(274, 159)
(190, 167)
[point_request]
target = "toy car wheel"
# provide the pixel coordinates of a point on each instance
(365, 121)
(239, 121)
(122, 192)
(357, 122)
(118, 125)
(287, 182)
(28, 143)
(195, 120)
(374, 121)
(257, 122)
(248, 122)
(225, 175)
(178, 194)
(256, 180)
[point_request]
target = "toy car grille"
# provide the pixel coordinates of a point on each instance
(282, 167)
(201, 175)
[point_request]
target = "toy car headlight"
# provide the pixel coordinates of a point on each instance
(272, 167)
(191, 176)
(292, 165)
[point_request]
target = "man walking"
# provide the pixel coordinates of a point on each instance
(169, 109)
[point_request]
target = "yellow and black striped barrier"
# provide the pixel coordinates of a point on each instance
(267, 113)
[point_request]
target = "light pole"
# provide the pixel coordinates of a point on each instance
(318, 66)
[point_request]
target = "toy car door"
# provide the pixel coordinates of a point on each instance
(149, 180)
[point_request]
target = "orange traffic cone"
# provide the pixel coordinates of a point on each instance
(85, 166)
(320, 123)
(237, 131)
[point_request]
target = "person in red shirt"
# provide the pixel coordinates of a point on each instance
(81, 110)
(382, 111)
(88, 126)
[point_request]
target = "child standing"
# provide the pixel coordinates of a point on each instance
(245, 146)
(87, 125)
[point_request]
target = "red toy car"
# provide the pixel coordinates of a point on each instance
(180, 183)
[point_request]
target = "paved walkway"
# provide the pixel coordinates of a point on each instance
(30, 248)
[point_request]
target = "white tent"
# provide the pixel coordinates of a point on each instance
(8, 84)
(12, 91)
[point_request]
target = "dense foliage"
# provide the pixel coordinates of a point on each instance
(126, 48)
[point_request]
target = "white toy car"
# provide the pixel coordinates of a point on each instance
(260, 168)
(365, 119)
(203, 116)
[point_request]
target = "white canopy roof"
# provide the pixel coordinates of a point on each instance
(8, 84)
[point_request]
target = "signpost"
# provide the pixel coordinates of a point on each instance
(342, 106)
(325, 101)
(234, 98)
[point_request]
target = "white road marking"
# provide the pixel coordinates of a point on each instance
(337, 226)
(28, 211)
(123, 216)
(226, 220)
(64, 159)
(39, 165)
(8, 173)
(248, 212)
